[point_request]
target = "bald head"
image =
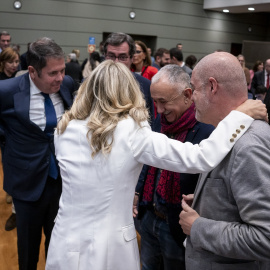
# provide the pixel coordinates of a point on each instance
(227, 71)
(220, 86)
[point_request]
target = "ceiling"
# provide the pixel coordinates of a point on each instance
(237, 6)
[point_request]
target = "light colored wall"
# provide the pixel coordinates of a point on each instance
(71, 22)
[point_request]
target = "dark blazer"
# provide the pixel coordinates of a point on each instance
(145, 88)
(73, 69)
(27, 148)
(188, 181)
(257, 80)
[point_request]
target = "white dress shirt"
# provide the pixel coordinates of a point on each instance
(37, 108)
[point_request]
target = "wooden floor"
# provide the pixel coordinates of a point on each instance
(8, 240)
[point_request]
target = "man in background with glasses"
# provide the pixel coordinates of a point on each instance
(121, 47)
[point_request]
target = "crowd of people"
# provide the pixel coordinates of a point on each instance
(174, 145)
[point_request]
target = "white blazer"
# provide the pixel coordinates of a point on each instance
(94, 227)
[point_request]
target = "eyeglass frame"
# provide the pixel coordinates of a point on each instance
(114, 57)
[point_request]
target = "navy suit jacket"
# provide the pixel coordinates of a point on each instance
(145, 88)
(27, 149)
(257, 80)
(188, 182)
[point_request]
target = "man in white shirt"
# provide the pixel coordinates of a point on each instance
(30, 107)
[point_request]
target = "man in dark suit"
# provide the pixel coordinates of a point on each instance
(263, 78)
(30, 106)
(121, 47)
(73, 69)
(160, 191)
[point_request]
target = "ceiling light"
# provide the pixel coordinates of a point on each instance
(17, 4)
(132, 15)
(226, 10)
(251, 9)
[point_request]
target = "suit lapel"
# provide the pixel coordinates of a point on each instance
(22, 105)
(66, 96)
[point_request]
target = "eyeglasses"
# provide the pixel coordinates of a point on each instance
(121, 58)
(138, 52)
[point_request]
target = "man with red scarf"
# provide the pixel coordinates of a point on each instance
(160, 191)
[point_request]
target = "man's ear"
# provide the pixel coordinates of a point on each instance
(214, 85)
(187, 93)
(32, 72)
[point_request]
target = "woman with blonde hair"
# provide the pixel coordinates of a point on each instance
(99, 146)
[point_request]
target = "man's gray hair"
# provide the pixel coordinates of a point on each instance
(174, 75)
(72, 56)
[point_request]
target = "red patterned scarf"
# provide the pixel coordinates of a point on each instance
(168, 188)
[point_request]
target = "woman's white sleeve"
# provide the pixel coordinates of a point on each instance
(158, 150)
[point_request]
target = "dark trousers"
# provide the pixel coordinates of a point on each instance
(159, 250)
(31, 218)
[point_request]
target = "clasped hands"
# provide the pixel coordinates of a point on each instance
(187, 215)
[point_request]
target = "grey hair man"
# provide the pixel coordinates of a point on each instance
(171, 91)
(28, 114)
(121, 47)
(5, 39)
(227, 226)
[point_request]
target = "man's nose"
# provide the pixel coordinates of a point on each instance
(160, 108)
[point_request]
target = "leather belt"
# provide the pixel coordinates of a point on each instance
(159, 214)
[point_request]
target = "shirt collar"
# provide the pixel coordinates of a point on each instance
(33, 89)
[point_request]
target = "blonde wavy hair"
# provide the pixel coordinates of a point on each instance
(108, 95)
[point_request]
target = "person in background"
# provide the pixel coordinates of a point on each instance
(9, 62)
(77, 52)
(73, 69)
(5, 39)
(179, 46)
(258, 66)
(162, 58)
(90, 64)
(177, 59)
(141, 62)
(242, 62)
(120, 47)
(190, 61)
